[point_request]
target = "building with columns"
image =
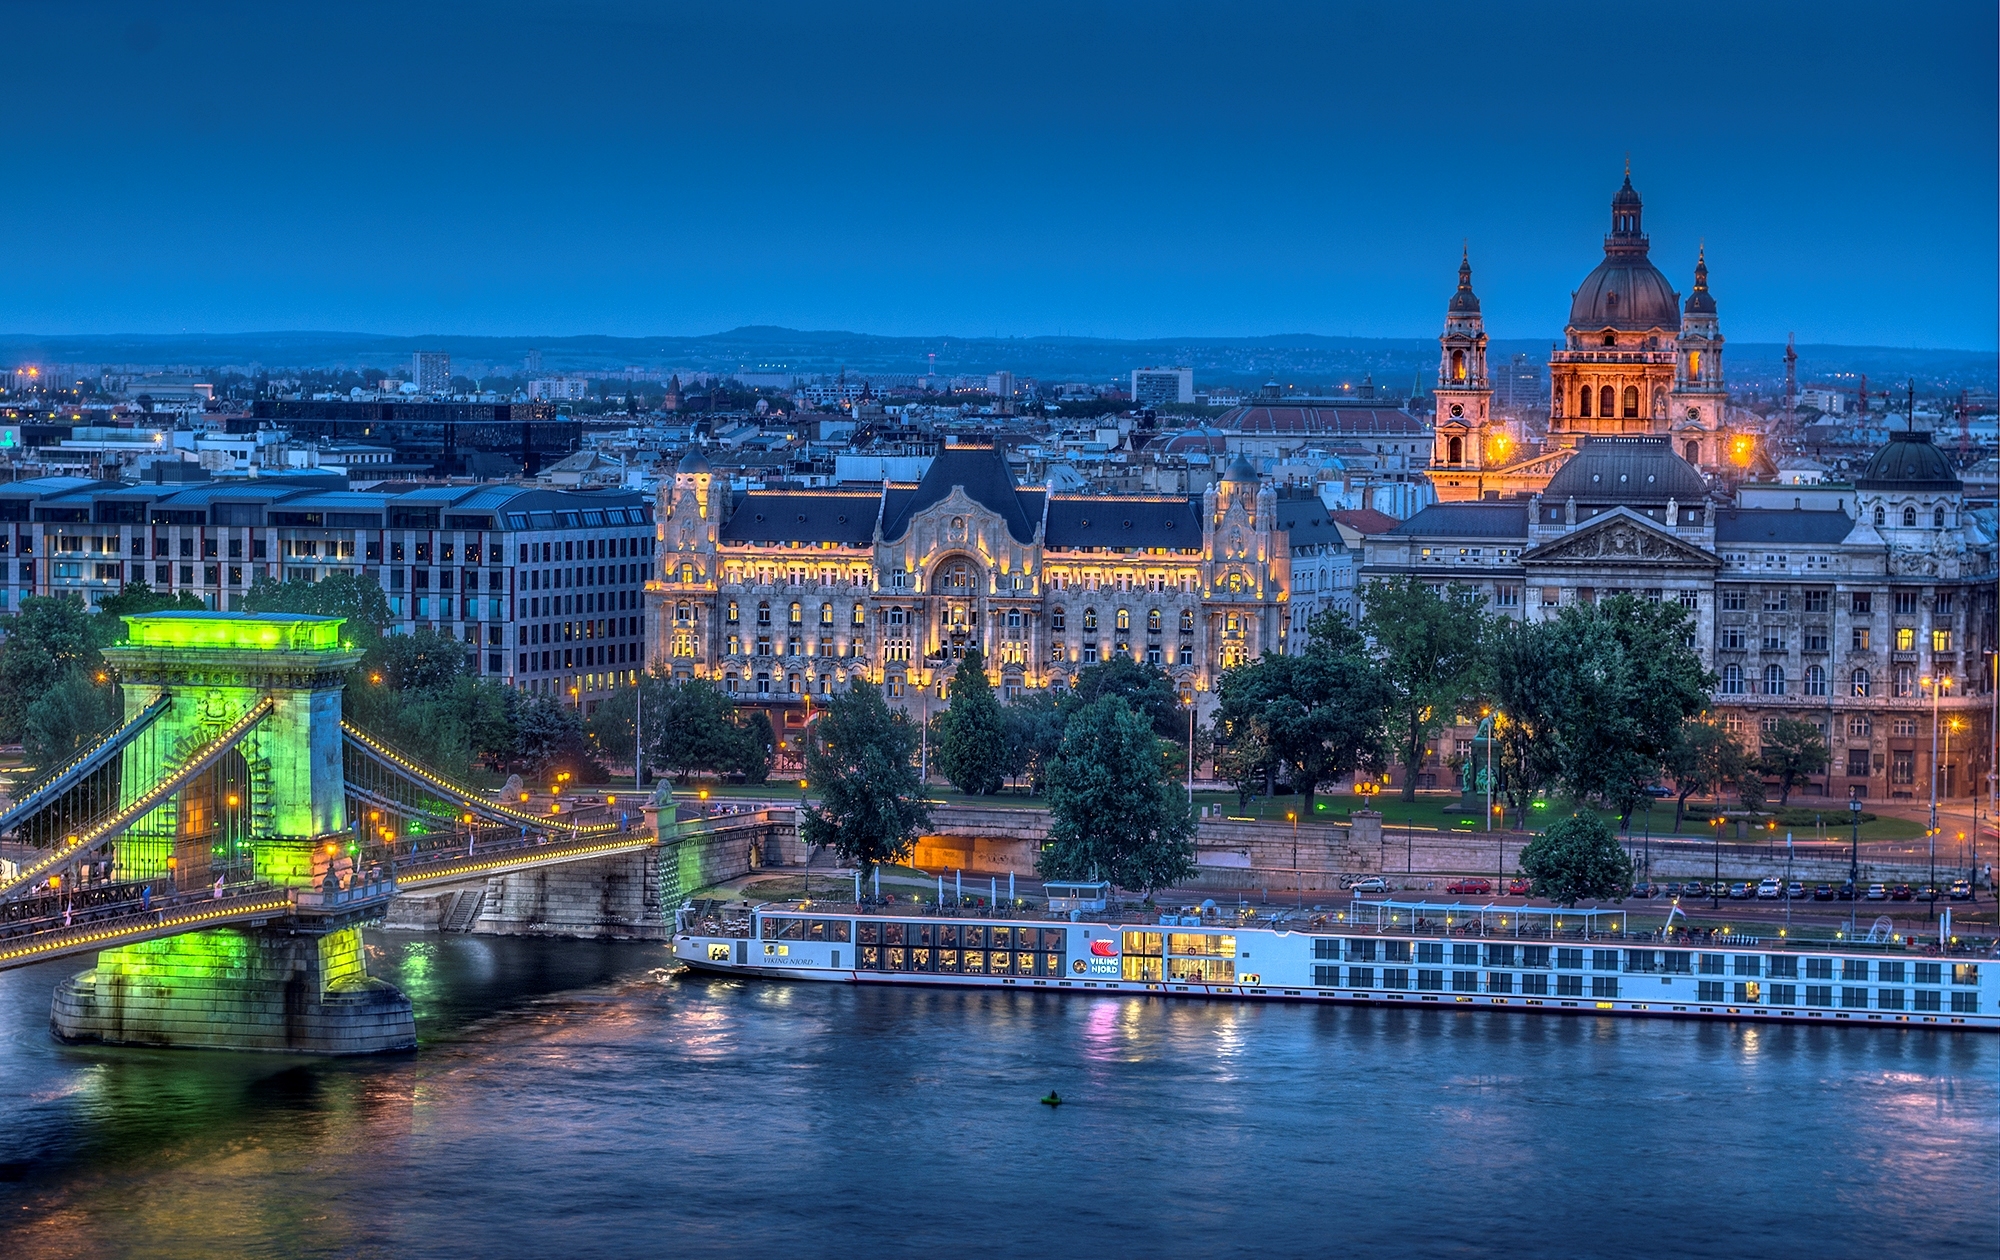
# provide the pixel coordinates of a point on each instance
(1634, 360)
(1842, 605)
(780, 595)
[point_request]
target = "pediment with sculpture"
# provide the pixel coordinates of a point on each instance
(1623, 538)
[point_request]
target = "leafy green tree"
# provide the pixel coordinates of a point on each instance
(1428, 643)
(753, 743)
(1145, 688)
(547, 736)
(972, 733)
(1034, 736)
(359, 599)
(134, 599)
(1626, 680)
(1528, 698)
(1703, 758)
(46, 639)
(610, 724)
(68, 715)
(860, 762)
(1793, 753)
(1321, 712)
(1114, 813)
(1243, 755)
(1577, 858)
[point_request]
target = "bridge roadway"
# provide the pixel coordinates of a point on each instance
(53, 925)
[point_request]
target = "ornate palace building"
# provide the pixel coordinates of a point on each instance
(1633, 361)
(779, 595)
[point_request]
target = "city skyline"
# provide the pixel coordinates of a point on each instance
(704, 170)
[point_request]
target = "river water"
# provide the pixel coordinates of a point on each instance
(573, 1100)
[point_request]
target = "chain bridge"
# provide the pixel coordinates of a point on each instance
(220, 850)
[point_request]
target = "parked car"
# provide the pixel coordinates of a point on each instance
(1740, 892)
(1823, 893)
(1470, 887)
(1641, 891)
(1520, 888)
(1795, 891)
(1877, 892)
(1768, 890)
(1927, 892)
(1961, 890)
(1901, 892)
(1694, 888)
(1373, 884)
(1846, 891)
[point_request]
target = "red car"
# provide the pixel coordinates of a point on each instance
(1519, 888)
(1470, 887)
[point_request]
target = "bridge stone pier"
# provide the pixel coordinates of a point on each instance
(270, 807)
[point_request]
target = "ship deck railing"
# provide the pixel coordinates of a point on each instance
(1443, 920)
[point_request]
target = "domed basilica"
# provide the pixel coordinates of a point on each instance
(1634, 361)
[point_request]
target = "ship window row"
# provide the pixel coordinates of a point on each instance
(1642, 961)
(961, 936)
(970, 962)
(789, 929)
(1535, 984)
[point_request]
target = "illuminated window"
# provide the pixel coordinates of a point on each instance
(1187, 621)
(731, 618)
(1906, 638)
(826, 614)
(860, 615)
(1940, 640)
(1153, 621)
(797, 614)
(1124, 620)
(1089, 619)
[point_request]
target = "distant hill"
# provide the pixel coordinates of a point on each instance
(1307, 360)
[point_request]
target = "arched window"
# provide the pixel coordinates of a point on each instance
(1455, 451)
(798, 613)
(1187, 621)
(1056, 619)
(1815, 680)
(1124, 620)
(1858, 682)
(1583, 402)
(860, 615)
(1906, 681)
(1631, 402)
(1153, 622)
(1693, 455)
(1458, 365)
(1607, 402)
(1774, 680)
(763, 614)
(1732, 680)
(1090, 619)
(958, 576)
(1910, 517)
(1880, 519)
(1937, 519)
(826, 614)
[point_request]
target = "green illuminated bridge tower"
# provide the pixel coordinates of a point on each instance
(239, 781)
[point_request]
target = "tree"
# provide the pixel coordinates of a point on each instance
(1145, 688)
(1793, 753)
(1624, 679)
(1114, 813)
(753, 744)
(972, 733)
(1527, 696)
(548, 736)
(1243, 756)
(68, 715)
(46, 639)
(359, 599)
(1576, 858)
(859, 760)
(1034, 736)
(1427, 641)
(1320, 713)
(1703, 758)
(135, 599)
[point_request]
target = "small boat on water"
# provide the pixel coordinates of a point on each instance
(1369, 952)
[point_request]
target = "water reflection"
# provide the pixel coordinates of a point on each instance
(570, 1095)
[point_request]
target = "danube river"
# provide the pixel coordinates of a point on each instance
(573, 1100)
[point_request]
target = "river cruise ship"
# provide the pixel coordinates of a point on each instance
(1370, 952)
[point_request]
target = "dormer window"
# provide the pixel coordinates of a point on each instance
(1910, 517)
(1937, 519)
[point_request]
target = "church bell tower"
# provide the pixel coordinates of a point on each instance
(1464, 441)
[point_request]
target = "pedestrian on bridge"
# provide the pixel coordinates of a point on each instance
(218, 888)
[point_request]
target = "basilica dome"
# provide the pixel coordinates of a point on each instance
(1626, 291)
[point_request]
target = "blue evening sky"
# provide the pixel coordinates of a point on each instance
(1126, 170)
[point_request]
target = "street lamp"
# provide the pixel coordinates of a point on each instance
(1297, 891)
(1853, 864)
(1938, 686)
(1715, 885)
(1489, 721)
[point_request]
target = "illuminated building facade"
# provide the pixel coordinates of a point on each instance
(780, 595)
(1634, 361)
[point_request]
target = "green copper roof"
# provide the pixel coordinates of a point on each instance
(269, 632)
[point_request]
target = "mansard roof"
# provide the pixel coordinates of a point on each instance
(807, 516)
(1467, 520)
(1117, 522)
(983, 474)
(1780, 525)
(1346, 421)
